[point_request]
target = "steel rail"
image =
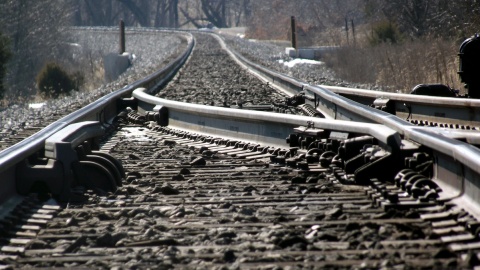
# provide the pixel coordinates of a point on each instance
(457, 163)
(461, 111)
(454, 111)
(104, 109)
(457, 167)
(330, 104)
(354, 104)
(256, 126)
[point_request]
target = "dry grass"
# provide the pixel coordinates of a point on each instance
(393, 67)
(399, 67)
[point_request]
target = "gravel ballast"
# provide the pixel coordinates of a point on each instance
(152, 50)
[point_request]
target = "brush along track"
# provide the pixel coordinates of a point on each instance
(192, 204)
(154, 50)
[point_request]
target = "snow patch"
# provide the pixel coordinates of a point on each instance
(36, 105)
(296, 61)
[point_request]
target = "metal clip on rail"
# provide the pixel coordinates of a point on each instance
(360, 157)
(69, 162)
(384, 104)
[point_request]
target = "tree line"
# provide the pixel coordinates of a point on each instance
(409, 19)
(162, 13)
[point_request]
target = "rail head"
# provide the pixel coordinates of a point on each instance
(231, 118)
(452, 111)
(443, 101)
(386, 128)
(456, 164)
(335, 106)
(451, 153)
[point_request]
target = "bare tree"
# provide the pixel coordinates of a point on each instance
(215, 12)
(411, 16)
(218, 13)
(455, 18)
(313, 18)
(97, 12)
(239, 12)
(140, 10)
(158, 13)
(417, 18)
(166, 14)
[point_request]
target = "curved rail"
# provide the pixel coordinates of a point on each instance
(462, 111)
(457, 164)
(379, 143)
(103, 110)
(256, 126)
(336, 102)
(330, 104)
(457, 167)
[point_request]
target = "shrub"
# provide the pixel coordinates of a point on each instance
(53, 81)
(384, 32)
(5, 55)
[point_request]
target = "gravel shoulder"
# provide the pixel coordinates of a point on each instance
(153, 50)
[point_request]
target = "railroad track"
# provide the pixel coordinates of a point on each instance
(432, 110)
(20, 121)
(140, 181)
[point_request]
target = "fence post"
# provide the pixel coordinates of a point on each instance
(122, 37)
(353, 33)
(294, 33)
(346, 29)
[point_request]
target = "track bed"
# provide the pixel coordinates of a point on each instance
(188, 204)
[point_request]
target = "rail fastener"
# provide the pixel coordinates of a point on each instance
(69, 161)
